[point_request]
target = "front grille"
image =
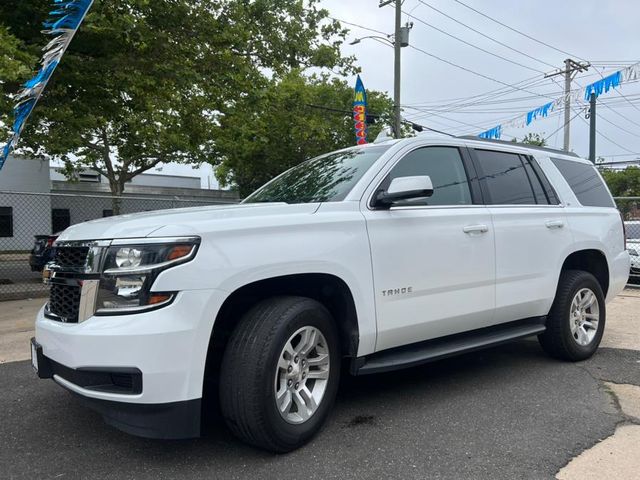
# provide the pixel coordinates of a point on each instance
(64, 301)
(71, 257)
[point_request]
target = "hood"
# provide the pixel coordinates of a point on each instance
(177, 221)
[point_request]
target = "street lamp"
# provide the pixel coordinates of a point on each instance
(386, 40)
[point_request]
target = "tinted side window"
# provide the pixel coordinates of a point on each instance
(445, 167)
(506, 178)
(585, 183)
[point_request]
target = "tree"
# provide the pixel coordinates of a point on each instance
(623, 183)
(533, 139)
(145, 82)
(285, 122)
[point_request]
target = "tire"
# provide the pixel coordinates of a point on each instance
(564, 338)
(255, 364)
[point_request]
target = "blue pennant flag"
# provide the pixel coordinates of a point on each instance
(62, 25)
(542, 111)
(607, 83)
(494, 132)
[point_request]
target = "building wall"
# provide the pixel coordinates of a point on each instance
(32, 189)
(148, 179)
(31, 213)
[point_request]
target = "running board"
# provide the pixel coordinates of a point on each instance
(436, 349)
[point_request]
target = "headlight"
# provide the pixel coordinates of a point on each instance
(633, 251)
(129, 271)
(128, 257)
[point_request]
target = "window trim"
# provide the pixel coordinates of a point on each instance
(11, 222)
(467, 164)
(547, 186)
(485, 188)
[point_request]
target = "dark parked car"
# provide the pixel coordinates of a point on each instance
(42, 252)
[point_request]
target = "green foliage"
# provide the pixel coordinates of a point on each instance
(145, 81)
(15, 65)
(276, 126)
(532, 139)
(623, 183)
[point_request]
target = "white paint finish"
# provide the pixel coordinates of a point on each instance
(529, 257)
(451, 273)
(447, 255)
(168, 345)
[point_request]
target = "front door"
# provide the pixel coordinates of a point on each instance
(433, 259)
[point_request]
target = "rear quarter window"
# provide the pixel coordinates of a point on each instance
(585, 183)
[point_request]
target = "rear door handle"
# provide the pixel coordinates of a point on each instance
(475, 229)
(555, 224)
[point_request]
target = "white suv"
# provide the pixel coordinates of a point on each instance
(382, 256)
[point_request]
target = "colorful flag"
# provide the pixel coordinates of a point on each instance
(62, 25)
(360, 112)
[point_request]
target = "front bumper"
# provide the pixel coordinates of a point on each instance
(167, 346)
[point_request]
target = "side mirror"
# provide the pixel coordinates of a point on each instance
(405, 188)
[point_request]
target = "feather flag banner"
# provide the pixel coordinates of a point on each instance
(62, 25)
(360, 112)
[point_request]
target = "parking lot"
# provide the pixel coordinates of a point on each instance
(509, 412)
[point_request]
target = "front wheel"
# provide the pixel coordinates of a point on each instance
(576, 321)
(280, 373)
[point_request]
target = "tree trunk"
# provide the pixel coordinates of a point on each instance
(117, 188)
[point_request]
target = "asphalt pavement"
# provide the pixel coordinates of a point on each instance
(510, 412)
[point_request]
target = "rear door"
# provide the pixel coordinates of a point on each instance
(433, 259)
(531, 232)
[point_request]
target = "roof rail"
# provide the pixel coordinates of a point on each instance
(520, 144)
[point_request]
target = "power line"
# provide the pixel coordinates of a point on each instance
(517, 31)
(472, 71)
(604, 136)
(359, 26)
(601, 117)
(471, 44)
(484, 35)
(562, 126)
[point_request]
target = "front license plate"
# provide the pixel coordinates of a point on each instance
(34, 357)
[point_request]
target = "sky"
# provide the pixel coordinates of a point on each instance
(603, 33)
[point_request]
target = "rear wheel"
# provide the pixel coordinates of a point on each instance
(576, 321)
(280, 372)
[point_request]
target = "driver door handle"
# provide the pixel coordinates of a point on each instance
(475, 229)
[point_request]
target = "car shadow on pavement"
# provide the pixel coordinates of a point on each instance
(505, 412)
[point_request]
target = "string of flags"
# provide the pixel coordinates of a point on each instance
(62, 24)
(599, 87)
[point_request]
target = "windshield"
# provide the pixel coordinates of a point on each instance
(633, 231)
(328, 178)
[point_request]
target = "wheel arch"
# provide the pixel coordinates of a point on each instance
(593, 261)
(328, 289)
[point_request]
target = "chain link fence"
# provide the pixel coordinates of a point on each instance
(29, 223)
(630, 209)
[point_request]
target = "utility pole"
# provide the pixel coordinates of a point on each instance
(571, 68)
(397, 121)
(592, 128)
(400, 39)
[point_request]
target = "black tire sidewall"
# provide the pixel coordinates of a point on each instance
(576, 350)
(293, 435)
